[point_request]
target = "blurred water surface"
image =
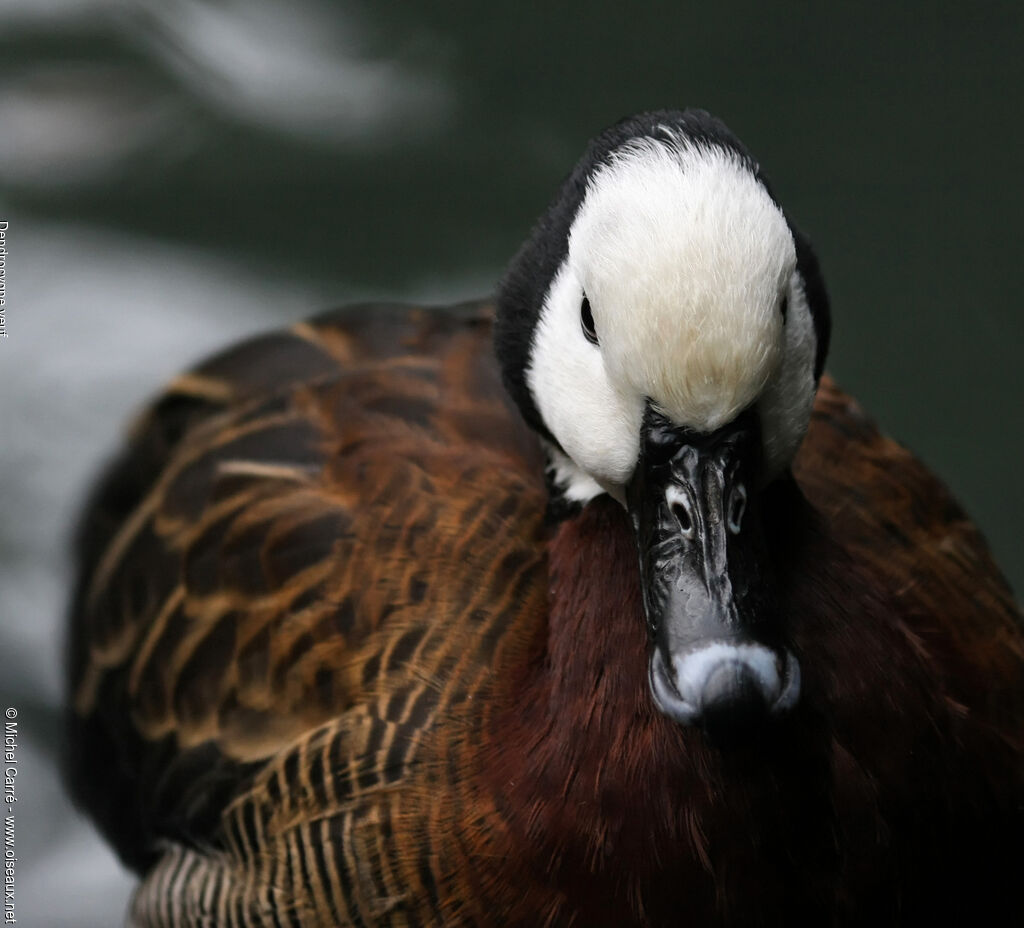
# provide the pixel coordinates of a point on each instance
(177, 173)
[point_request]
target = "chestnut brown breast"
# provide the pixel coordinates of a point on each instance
(329, 667)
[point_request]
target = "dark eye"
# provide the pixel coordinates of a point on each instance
(784, 306)
(587, 321)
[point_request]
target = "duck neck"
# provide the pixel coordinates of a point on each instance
(593, 681)
(582, 763)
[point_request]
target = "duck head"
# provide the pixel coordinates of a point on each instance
(663, 329)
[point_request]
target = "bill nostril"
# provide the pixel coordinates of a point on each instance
(737, 507)
(679, 506)
(683, 518)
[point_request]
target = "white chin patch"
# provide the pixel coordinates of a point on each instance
(684, 259)
(576, 485)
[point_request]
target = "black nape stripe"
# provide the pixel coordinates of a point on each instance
(816, 296)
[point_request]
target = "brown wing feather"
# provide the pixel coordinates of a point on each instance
(278, 508)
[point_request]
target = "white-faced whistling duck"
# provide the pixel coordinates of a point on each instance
(530, 613)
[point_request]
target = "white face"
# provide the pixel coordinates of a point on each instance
(685, 260)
